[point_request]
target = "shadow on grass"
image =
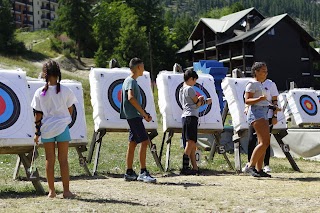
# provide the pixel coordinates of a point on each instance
(203, 172)
(11, 193)
(76, 177)
(184, 184)
(302, 179)
(100, 200)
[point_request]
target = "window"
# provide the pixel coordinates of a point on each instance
(271, 32)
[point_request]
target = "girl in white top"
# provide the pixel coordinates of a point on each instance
(52, 106)
(257, 116)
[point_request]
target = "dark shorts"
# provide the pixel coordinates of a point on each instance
(189, 129)
(137, 130)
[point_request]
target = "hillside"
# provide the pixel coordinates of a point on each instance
(306, 12)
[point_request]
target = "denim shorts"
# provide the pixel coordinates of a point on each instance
(257, 112)
(65, 136)
(189, 129)
(137, 130)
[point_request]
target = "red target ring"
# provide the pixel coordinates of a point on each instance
(115, 94)
(308, 105)
(200, 90)
(9, 107)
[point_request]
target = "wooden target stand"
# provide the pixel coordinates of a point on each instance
(215, 146)
(97, 140)
(26, 160)
(24, 155)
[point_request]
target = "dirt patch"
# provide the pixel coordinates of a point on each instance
(211, 193)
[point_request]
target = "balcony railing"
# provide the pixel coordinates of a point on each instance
(28, 12)
(45, 17)
(45, 8)
(28, 22)
(208, 45)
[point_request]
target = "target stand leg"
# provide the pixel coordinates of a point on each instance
(17, 168)
(171, 132)
(82, 159)
(278, 136)
(35, 181)
(221, 149)
(96, 138)
(153, 149)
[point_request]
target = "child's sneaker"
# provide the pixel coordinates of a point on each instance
(130, 177)
(263, 174)
(266, 169)
(245, 167)
(252, 171)
(146, 177)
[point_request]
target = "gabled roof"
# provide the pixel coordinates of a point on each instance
(271, 22)
(264, 26)
(188, 47)
(233, 18)
(223, 24)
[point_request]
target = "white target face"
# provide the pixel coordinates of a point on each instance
(15, 113)
(78, 131)
(169, 85)
(105, 86)
(78, 127)
(304, 105)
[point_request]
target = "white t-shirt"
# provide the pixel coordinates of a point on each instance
(56, 116)
(267, 88)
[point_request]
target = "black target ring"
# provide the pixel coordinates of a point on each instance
(73, 116)
(114, 95)
(308, 105)
(11, 109)
(203, 110)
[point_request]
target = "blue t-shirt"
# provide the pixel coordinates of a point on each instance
(127, 110)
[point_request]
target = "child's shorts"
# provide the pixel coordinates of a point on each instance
(257, 112)
(137, 130)
(65, 136)
(189, 129)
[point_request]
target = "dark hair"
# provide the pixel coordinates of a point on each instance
(51, 68)
(256, 67)
(190, 73)
(134, 62)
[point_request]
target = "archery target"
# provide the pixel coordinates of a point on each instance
(105, 90)
(234, 90)
(78, 131)
(169, 85)
(15, 115)
(304, 105)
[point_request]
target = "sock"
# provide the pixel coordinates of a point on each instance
(143, 170)
(185, 161)
(129, 171)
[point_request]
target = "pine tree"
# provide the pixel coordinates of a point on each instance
(7, 27)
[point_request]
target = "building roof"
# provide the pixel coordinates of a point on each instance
(220, 25)
(264, 26)
(188, 47)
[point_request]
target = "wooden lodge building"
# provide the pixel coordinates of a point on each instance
(240, 39)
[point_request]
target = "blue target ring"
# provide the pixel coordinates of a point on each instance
(9, 107)
(308, 105)
(115, 94)
(200, 90)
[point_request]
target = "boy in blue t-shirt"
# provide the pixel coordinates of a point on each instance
(132, 111)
